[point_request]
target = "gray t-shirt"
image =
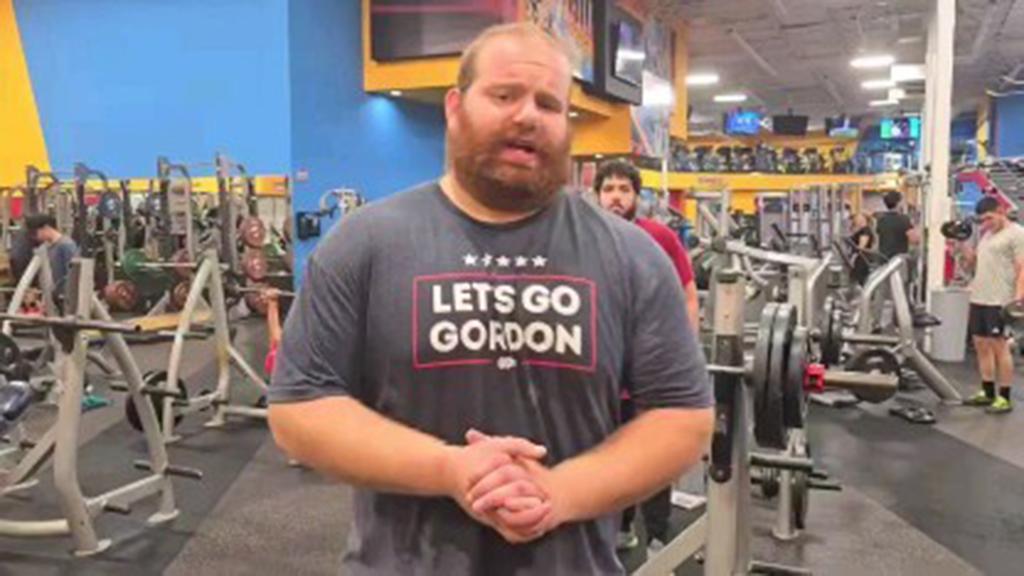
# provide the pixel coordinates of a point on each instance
(532, 329)
(61, 253)
(995, 272)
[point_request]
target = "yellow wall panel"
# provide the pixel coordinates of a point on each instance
(21, 135)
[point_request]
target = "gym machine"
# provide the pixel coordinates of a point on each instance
(767, 391)
(85, 314)
(166, 389)
(882, 352)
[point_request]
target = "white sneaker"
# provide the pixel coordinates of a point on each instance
(627, 540)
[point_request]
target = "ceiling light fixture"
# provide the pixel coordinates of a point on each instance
(395, 92)
(897, 93)
(881, 103)
(873, 61)
(702, 79)
(730, 98)
(878, 84)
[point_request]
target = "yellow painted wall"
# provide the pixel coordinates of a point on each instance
(21, 135)
(679, 127)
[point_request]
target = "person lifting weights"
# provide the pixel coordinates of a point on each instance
(998, 280)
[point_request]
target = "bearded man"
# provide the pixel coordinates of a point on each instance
(458, 350)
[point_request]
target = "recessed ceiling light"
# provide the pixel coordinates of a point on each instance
(395, 92)
(574, 114)
(897, 93)
(702, 79)
(881, 103)
(878, 84)
(873, 61)
(730, 98)
(598, 156)
(909, 40)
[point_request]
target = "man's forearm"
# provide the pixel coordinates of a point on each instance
(637, 461)
(346, 440)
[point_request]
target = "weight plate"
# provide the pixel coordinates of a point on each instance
(801, 491)
(793, 405)
(179, 295)
(762, 354)
(153, 379)
(10, 354)
(152, 204)
(253, 232)
(875, 361)
(255, 300)
(182, 257)
(769, 427)
(254, 265)
(109, 206)
(121, 295)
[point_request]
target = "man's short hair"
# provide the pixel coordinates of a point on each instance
(467, 64)
(986, 204)
(617, 168)
(892, 199)
(35, 222)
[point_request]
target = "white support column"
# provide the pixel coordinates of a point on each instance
(939, 96)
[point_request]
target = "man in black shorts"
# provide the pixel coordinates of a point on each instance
(998, 280)
(458, 350)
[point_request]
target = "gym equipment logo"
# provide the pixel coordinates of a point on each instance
(480, 318)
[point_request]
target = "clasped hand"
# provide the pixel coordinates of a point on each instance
(500, 482)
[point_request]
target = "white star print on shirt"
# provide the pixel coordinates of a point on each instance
(469, 260)
(522, 261)
(503, 261)
(539, 261)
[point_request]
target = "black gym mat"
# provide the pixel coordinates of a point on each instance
(106, 462)
(963, 498)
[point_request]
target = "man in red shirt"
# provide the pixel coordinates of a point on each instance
(617, 185)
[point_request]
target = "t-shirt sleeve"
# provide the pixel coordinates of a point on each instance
(322, 340)
(665, 367)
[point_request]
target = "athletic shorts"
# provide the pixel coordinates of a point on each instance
(986, 321)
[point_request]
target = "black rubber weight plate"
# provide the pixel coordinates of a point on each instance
(769, 429)
(762, 353)
(796, 367)
(153, 379)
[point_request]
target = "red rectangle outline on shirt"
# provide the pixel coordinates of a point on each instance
(485, 275)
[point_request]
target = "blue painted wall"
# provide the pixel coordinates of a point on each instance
(340, 135)
(1008, 126)
(119, 82)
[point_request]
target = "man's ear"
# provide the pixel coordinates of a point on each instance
(452, 103)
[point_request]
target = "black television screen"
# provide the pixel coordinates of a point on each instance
(629, 52)
(789, 125)
(401, 29)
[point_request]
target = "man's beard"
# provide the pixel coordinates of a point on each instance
(503, 187)
(629, 214)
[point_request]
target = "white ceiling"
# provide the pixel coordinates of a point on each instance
(806, 47)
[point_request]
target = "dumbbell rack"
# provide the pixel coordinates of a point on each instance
(62, 439)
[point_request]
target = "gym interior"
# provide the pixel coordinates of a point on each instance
(839, 172)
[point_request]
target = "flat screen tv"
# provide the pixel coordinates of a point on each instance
(789, 125)
(842, 127)
(401, 29)
(629, 52)
(906, 127)
(742, 123)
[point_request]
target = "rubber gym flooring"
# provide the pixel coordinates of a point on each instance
(933, 500)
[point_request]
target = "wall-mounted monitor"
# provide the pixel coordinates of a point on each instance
(789, 125)
(629, 51)
(906, 127)
(742, 123)
(842, 127)
(401, 29)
